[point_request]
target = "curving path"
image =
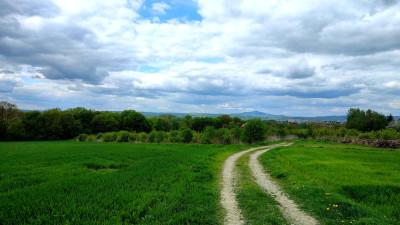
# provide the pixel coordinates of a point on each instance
(287, 206)
(233, 214)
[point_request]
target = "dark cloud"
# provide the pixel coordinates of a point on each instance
(6, 71)
(44, 8)
(63, 50)
(300, 70)
(311, 91)
(7, 84)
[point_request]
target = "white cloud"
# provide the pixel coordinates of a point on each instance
(275, 56)
(160, 7)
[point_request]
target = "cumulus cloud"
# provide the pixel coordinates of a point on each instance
(160, 7)
(319, 56)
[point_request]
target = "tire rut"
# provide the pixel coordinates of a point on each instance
(228, 201)
(288, 207)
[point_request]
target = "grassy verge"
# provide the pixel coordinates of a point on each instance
(340, 184)
(257, 206)
(110, 183)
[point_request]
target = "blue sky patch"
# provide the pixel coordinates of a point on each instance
(178, 9)
(148, 69)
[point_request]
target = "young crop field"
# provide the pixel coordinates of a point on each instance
(110, 183)
(339, 184)
(132, 183)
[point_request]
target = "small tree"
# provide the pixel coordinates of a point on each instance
(186, 135)
(8, 113)
(254, 131)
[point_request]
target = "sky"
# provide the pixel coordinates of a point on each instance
(286, 57)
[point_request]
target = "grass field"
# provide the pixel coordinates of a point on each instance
(340, 184)
(114, 183)
(110, 183)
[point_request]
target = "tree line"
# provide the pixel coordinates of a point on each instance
(90, 125)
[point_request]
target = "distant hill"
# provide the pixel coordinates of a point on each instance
(252, 115)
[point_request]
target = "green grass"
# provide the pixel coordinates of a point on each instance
(110, 183)
(257, 206)
(363, 182)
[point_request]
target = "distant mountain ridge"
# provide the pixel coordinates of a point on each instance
(256, 113)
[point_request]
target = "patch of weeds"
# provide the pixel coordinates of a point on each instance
(103, 167)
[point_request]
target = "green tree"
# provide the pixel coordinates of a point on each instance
(105, 122)
(163, 124)
(33, 123)
(365, 120)
(390, 118)
(8, 113)
(200, 123)
(208, 135)
(356, 119)
(226, 120)
(186, 135)
(134, 121)
(85, 116)
(254, 131)
(60, 125)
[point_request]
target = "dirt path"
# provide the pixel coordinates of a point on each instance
(233, 215)
(287, 206)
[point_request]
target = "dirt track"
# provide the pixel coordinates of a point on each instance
(228, 197)
(288, 207)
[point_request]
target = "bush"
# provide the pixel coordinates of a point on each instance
(99, 136)
(389, 134)
(175, 137)
(123, 136)
(254, 131)
(91, 138)
(186, 135)
(301, 133)
(142, 137)
(341, 132)
(366, 136)
(196, 137)
(82, 137)
(132, 137)
(224, 136)
(208, 135)
(161, 136)
(152, 136)
(236, 133)
(350, 133)
(157, 136)
(109, 137)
